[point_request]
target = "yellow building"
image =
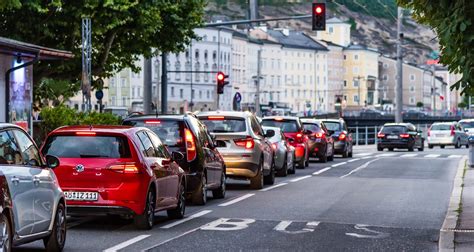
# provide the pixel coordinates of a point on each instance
(337, 32)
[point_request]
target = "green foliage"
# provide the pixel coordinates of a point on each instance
(419, 104)
(452, 20)
(61, 115)
(462, 105)
(122, 30)
(56, 91)
(379, 8)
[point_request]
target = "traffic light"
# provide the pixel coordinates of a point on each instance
(319, 16)
(221, 82)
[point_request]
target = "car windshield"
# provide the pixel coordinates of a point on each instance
(311, 127)
(441, 127)
(467, 125)
(287, 126)
(87, 147)
(225, 125)
(334, 126)
(169, 131)
(394, 129)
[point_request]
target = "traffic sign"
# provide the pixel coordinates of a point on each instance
(99, 94)
(238, 97)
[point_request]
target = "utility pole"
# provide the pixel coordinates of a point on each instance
(399, 87)
(257, 83)
(433, 87)
(86, 78)
(147, 86)
(164, 83)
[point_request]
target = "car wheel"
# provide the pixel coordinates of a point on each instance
(331, 158)
(457, 145)
(467, 146)
(219, 193)
(257, 181)
(306, 162)
(178, 212)
(350, 153)
(379, 148)
(345, 154)
(270, 178)
(422, 147)
(430, 146)
(293, 168)
(56, 240)
(323, 159)
(147, 218)
(283, 172)
(301, 163)
(441, 146)
(6, 234)
(390, 149)
(200, 195)
(411, 148)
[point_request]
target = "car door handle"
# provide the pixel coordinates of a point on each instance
(15, 180)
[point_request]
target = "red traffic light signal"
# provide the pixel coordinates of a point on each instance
(221, 82)
(319, 16)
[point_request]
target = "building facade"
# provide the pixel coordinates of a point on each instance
(337, 32)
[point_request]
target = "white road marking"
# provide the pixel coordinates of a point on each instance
(321, 171)
(272, 187)
(224, 224)
(409, 155)
(360, 168)
(432, 155)
(300, 178)
(362, 154)
(126, 243)
(455, 156)
(366, 157)
(310, 226)
(376, 235)
(196, 215)
(353, 160)
(339, 164)
(228, 203)
(386, 155)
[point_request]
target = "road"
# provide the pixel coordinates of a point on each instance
(376, 201)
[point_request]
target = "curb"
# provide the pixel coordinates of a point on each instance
(446, 233)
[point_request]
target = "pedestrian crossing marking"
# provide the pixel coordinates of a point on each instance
(455, 156)
(432, 155)
(409, 155)
(362, 154)
(386, 155)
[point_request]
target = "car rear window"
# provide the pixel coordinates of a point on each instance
(170, 132)
(87, 147)
(224, 124)
(467, 125)
(311, 126)
(441, 127)
(394, 129)
(287, 126)
(334, 126)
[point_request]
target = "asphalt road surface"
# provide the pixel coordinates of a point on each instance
(376, 201)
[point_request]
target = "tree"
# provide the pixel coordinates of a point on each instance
(122, 30)
(452, 20)
(419, 104)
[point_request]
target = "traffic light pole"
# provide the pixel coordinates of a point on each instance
(257, 83)
(399, 87)
(164, 84)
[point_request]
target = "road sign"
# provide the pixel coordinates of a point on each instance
(238, 97)
(99, 94)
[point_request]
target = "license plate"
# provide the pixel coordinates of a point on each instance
(317, 140)
(84, 196)
(392, 137)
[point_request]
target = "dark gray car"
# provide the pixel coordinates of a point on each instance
(32, 206)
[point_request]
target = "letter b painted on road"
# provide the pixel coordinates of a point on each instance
(224, 224)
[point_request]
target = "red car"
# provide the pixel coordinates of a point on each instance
(117, 170)
(293, 130)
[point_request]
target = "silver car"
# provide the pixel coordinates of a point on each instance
(468, 126)
(242, 143)
(284, 156)
(447, 133)
(33, 206)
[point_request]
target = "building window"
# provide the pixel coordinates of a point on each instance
(177, 65)
(214, 55)
(208, 95)
(196, 54)
(356, 98)
(214, 39)
(192, 94)
(412, 100)
(355, 70)
(112, 82)
(356, 57)
(345, 57)
(181, 91)
(113, 101)
(345, 83)
(200, 94)
(385, 77)
(412, 77)
(172, 91)
(124, 101)
(385, 65)
(355, 83)
(412, 89)
(123, 82)
(331, 29)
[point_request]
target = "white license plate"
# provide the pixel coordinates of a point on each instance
(84, 196)
(392, 137)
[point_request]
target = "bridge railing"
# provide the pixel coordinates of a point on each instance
(363, 135)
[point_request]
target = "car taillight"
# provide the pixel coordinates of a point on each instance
(274, 146)
(452, 131)
(405, 135)
(152, 122)
(380, 135)
(247, 143)
(342, 137)
(299, 137)
(85, 133)
(318, 134)
(190, 145)
(124, 168)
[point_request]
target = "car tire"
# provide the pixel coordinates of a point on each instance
(379, 148)
(430, 146)
(345, 154)
(146, 220)
(219, 193)
(323, 159)
(457, 145)
(350, 153)
(270, 178)
(301, 164)
(411, 148)
(200, 195)
(57, 239)
(331, 158)
(257, 181)
(390, 149)
(422, 147)
(441, 146)
(283, 172)
(293, 168)
(178, 212)
(467, 146)
(6, 234)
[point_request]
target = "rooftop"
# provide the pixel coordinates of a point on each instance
(13, 47)
(296, 39)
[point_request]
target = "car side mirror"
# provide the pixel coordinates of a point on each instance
(177, 156)
(52, 161)
(466, 130)
(291, 140)
(270, 133)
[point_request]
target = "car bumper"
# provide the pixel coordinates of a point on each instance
(441, 140)
(87, 210)
(340, 147)
(396, 144)
(241, 169)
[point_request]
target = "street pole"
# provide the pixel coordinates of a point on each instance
(164, 83)
(399, 98)
(257, 83)
(147, 86)
(433, 87)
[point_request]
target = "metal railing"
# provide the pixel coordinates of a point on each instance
(363, 135)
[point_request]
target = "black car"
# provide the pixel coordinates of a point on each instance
(320, 142)
(400, 136)
(342, 136)
(203, 164)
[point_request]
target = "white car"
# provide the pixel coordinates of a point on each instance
(447, 133)
(467, 125)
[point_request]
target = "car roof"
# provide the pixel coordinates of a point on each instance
(224, 113)
(309, 120)
(467, 120)
(340, 120)
(444, 123)
(119, 129)
(9, 125)
(149, 117)
(398, 124)
(282, 117)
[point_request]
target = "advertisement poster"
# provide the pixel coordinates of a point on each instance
(21, 99)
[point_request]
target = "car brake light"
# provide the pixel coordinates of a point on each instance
(452, 131)
(85, 133)
(190, 145)
(274, 146)
(278, 119)
(124, 168)
(380, 135)
(152, 122)
(405, 135)
(248, 142)
(318, 134)
(342, 136)
(216, 118)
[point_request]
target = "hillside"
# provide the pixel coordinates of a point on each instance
(373, 22)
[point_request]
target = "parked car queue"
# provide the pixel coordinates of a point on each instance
(152, 163)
